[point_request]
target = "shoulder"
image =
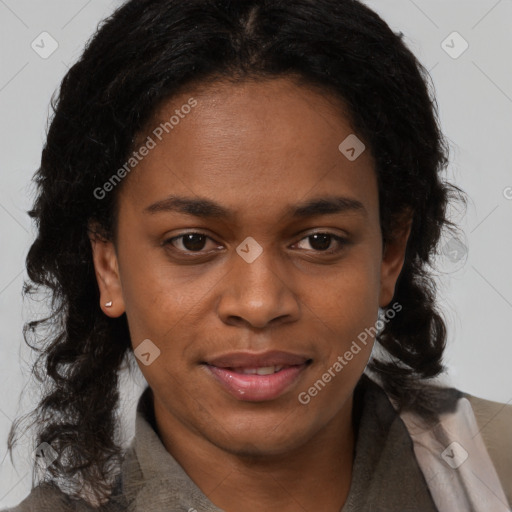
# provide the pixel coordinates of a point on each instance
(495, 414)
(49, 498)
(483, 426)
(494, 421)
(43, 498)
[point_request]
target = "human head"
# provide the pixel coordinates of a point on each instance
(145, 54)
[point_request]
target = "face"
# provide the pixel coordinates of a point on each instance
(249, 253)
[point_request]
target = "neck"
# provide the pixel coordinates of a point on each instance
(314, 476)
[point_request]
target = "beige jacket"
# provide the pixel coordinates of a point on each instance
(466, 457)
(494, 420)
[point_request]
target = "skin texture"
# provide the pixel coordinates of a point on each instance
(256, 148)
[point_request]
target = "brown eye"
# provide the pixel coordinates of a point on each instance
(321, 242)
(188, 242)
(194, 242)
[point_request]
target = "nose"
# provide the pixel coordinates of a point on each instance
(257, 294)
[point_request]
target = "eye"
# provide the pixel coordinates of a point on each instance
(321, 242)
(194, 242)
(188, 242)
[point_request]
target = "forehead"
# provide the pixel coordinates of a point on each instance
(251, 143)
(280, 112)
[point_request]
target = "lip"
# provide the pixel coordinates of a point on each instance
(253, 360)
(253, 387)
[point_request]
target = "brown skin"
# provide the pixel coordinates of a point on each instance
(254, 148)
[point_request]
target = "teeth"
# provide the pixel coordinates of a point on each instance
(264, 370)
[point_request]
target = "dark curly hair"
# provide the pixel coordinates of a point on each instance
(146, 52)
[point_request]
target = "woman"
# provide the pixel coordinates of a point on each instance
(247, 195)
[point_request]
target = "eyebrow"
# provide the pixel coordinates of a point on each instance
(206, 208)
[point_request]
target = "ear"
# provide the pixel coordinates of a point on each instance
(393, 257)
(107, 272)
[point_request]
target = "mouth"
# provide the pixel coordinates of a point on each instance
(257, 377)
(262, 370)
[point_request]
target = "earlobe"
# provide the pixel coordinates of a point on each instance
(107, 274)
(393, 260)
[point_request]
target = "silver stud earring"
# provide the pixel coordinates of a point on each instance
(108, 304)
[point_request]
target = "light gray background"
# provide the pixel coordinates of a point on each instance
(474, 94)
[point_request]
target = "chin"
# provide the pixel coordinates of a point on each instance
(260, 448)
(262, 439)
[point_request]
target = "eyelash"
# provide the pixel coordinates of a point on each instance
(341, 241)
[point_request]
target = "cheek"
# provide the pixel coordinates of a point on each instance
(168, 306)
(346, 306)
(351, 296)
(151, 304)
(155, 305)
